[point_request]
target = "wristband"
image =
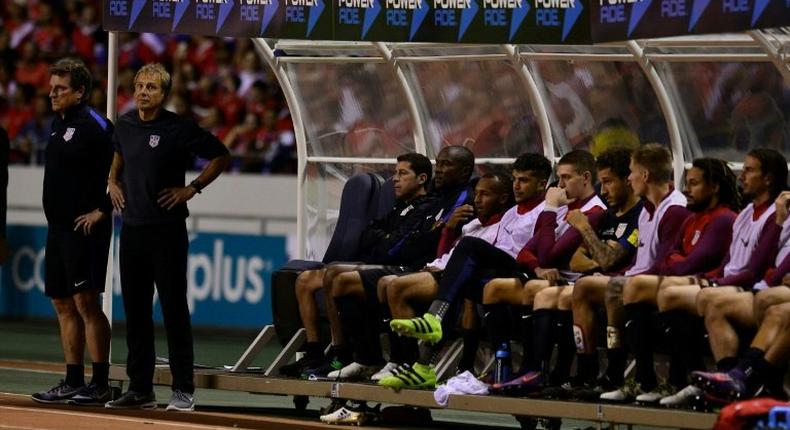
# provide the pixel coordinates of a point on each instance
(196, 185)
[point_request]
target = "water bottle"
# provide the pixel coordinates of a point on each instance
(502, 364)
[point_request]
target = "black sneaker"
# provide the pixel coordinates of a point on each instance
(297, 368)
(91, 395)
(322, 370)
(60, 393)
(133, 400)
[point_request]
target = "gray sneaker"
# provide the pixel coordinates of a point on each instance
(60, 393)
(133, 400)
(91, 395)
(181, 401)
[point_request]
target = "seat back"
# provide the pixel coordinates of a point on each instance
(360, 195)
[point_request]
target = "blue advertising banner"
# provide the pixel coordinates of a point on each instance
(446, 21)
(228, 278)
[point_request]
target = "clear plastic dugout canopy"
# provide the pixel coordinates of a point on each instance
(367, 80)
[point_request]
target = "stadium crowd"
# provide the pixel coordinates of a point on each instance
(220, 83)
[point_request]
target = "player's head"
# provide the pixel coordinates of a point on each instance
(531, 173)
(613, 170)
(69, 84)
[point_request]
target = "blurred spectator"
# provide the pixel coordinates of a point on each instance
(219, 82)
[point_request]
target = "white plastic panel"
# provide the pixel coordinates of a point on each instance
(586, 98)
(352, 110)
(482, 105)
(729, 108)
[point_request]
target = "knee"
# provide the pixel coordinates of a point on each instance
(765, 300)
(65, 308)
(491, 292)
(87, 305)
(534, 287)
(776, 316)
(713, 307)
(395, 290)
(304, 283)
(582, 290)
(343, 284)
(544, 299)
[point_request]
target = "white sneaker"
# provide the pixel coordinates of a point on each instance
(651, 397)
(682, 397)
(344, 416)
(624, 394)
(384, 372)
(354, 371)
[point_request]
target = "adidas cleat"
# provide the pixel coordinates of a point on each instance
(344, 416)
(405, 376)
(427, 327)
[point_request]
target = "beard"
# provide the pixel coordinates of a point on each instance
(699, 206)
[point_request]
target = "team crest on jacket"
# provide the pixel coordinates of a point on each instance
(153, 141)
(69, 133)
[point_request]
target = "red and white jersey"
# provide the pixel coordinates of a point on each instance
(746, 233)
(648, 233)
(516, 229)
(562, 224)
(473, 228)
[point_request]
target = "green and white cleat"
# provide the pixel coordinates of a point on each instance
(418, 376)
(427, 327)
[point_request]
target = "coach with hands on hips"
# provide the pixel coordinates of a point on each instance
(153, 149)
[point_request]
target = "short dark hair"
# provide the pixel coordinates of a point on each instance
(772, 163)
(79, 76)
(617, 160)
(464, 155)
(582, 161)
(419, 164)
(657, 160)
(533, 162)
(505, 184)
(717, 172)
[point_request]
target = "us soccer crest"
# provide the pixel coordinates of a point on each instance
(153, 141)
(69, 133)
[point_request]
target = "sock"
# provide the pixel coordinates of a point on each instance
(726, 364)
(638, 330)
(543, 333)
(342, 353)
(566, 347)
(496, 320)
(471, 339)
(313, 351)
(101, 372)
(75, 375)
(615, 369)
(439, 308)
(352, 321)
(526, 327)
(586, 368)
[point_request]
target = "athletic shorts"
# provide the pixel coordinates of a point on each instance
(75, 262)
(370, 278)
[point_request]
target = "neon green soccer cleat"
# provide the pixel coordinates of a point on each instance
(405, 376)
(427, 327)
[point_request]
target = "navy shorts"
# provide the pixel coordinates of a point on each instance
(75, 262)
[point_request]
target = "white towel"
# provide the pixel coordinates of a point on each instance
(465, 383)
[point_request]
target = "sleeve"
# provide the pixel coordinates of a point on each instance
(558, 253)
(630, 239)
(670, 230)
(780, 272)
(708, 249)
(761, 259)
(201, 143)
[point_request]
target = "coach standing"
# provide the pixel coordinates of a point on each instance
(153, 149)
(78, 212)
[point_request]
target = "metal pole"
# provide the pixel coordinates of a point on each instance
(112, 114)
(538, 106)
(419, 133)
(664, 101)
(301, 140)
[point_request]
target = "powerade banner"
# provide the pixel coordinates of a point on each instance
(446, 21)
(228, 278)
(630, 19)
(466, 21)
